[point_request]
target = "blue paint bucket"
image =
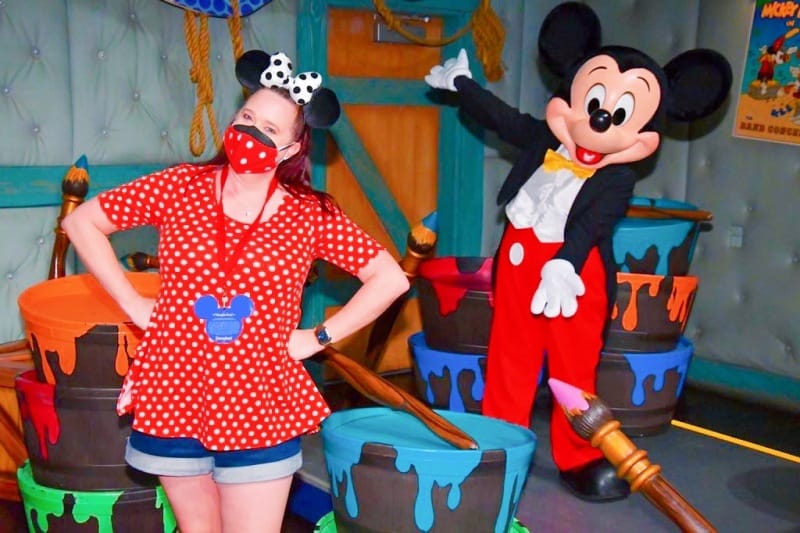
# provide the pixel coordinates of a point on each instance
(447, 380)
(655, 246)
(389, 473)
(642, 389)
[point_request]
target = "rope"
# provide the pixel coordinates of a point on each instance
(487, 32)
(235, 29)
(198, 46)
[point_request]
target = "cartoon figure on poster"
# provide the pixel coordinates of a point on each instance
(555, 276)
(769, 100)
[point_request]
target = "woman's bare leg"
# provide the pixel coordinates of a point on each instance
(254, 507)
(195, 501)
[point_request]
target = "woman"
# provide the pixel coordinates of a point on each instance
(218, 389)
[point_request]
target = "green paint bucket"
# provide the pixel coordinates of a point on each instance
(62, 511)
(327, 524)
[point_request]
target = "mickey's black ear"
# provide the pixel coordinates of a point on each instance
(699, 81)
(323, 109)
(571, 31)
(249, 68)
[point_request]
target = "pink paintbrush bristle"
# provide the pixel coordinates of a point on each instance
(568, 397)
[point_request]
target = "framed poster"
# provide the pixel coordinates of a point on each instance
(768, 106)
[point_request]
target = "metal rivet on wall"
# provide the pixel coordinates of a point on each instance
(6, 90)
(101, 55)
(136, 95)
(10, 275)
(40, 240)
(35, 130)
(35, 52)
(164, 134)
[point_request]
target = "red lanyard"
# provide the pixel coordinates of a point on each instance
(227, 266)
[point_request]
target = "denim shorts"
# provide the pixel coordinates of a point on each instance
(184, 456)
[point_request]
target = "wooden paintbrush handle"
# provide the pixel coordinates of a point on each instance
(385, 393)
(664, 496)
(647, 211)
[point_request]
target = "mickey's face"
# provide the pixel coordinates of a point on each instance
(608, 108)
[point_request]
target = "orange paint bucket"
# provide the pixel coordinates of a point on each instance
(78, 334)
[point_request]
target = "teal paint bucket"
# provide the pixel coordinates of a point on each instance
(62, 511)
(327, 524)
(389, 473)
(660, 246)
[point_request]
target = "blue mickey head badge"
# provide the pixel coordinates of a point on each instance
(224, 324)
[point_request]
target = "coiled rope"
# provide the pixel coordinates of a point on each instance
(198, 45)
(487, 32)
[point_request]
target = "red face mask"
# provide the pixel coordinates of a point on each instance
(249, 150)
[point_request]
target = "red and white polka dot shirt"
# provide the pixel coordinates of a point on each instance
(247, 393)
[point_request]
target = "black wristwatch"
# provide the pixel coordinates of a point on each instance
(323, 337)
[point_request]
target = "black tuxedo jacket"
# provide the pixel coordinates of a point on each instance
(598, 207)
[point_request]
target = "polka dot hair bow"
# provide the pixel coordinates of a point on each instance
(279, 74)
(256, 69)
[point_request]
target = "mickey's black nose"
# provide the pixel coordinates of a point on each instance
(600, 120)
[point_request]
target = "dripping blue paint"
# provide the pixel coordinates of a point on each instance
(657, 365)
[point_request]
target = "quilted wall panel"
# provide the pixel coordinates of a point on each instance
(746, 313)
(35, 100)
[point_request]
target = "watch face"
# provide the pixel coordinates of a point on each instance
(322, 335)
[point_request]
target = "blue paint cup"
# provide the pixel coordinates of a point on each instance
(643, 389)
(447, 380)
(389, 473)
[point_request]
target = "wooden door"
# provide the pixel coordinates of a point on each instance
(384, 159)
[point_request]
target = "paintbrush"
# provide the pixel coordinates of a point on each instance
(74, 188)
(593, 420)
(420, 244)
(385, 393)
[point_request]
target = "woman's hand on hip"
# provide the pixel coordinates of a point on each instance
(302, 344)
(139, 310)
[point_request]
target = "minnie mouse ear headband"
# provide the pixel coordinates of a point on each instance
(256, 69)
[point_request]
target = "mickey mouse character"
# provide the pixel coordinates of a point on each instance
(555, 277)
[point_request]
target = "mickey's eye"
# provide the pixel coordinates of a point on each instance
(594, 98)
(624, 110)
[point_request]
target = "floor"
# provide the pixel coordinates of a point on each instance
(735, 487)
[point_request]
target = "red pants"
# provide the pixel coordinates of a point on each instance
(519, 340)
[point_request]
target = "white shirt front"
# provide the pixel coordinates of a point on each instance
(544, 201)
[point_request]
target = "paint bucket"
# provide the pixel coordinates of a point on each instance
(49, 509)
(78, 334)
(74, 438)
(327, 524)
(643, 389)
(11, 364)
(455, 297)
(447, 380)
(389, 473)
(650, 312)
(655, 246)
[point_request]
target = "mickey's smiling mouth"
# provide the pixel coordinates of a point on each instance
(587, 157)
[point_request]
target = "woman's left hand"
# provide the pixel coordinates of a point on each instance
(302, 344)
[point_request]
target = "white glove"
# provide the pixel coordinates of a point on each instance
(442, 76)
(558, 291)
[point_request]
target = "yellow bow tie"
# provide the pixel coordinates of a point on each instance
(553, 161)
